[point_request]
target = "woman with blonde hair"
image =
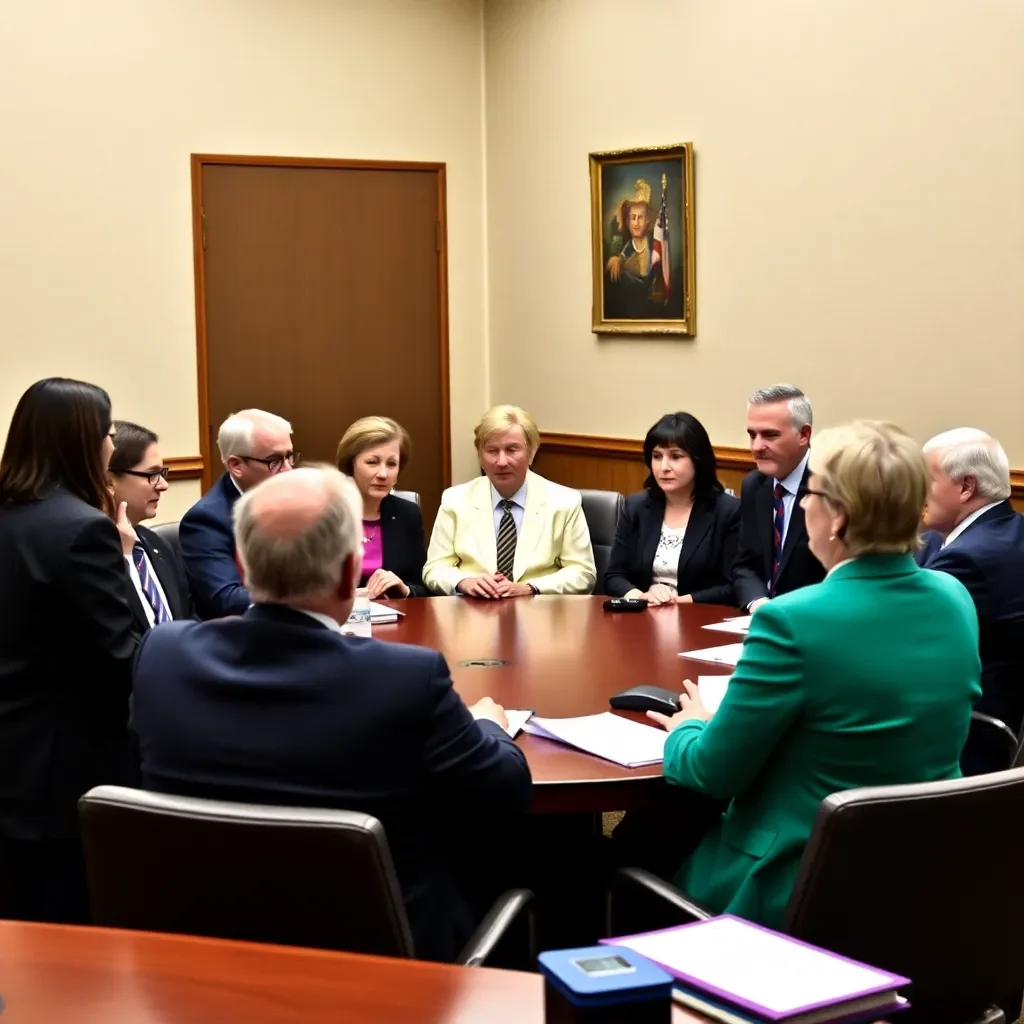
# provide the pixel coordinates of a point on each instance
(864, 679)
(373, 451)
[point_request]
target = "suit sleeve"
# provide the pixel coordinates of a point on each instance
(209, 555)
(747, 582)
(441, 571)
(414, 575)
(961, 566)
(723, 593)
(576, 572)
(467, 758)
(94, 582)
(617, 579)
(724, 756)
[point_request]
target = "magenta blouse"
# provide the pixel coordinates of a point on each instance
(373, 548)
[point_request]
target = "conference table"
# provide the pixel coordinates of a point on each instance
(563, 656)
(54, 973)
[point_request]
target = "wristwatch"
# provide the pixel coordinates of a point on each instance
(535, 590)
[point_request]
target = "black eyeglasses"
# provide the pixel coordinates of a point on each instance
(144, 474)
(275, 462)
(819, 494)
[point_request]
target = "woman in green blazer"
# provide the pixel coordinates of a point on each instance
(865, 679)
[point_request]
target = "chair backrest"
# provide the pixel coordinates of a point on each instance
(923, 880)
(602, 510)
(413, 496)
(991, 746)
(288, 875)
(168, 533)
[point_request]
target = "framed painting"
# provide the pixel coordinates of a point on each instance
(641, 217)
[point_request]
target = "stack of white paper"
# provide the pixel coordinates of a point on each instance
(621, 740)
(729, 654)
(382, 613)
(711, 690)
(516, 721)
(740, 624)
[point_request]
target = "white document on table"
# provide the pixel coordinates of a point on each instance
(729, 654)
(380, 614)
(712, 690)
(608, 736)
(740, 625)
(516, 721)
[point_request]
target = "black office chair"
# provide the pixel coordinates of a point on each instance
(287, 875)
(168, 533)
(602, 510)
(991, 746)
(922, 880)
(413, 496)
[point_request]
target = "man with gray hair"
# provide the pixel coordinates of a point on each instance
(254, 446)
(974, 534)
(278, 706)
(772, 556)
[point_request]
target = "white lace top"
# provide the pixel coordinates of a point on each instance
(666, 558)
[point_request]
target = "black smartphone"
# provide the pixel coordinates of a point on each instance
(624, 604)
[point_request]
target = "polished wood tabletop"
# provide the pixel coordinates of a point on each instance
(50, 974)
(561, 657)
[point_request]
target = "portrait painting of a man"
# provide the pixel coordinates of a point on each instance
(643, 241)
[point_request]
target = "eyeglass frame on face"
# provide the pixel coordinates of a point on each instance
(274, 463)
(145, 474)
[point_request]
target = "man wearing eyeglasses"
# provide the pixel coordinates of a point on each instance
(254, 445)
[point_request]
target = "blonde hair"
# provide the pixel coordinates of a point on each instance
(877, 475)
(501, 417)
(280, 568)
(369, 432)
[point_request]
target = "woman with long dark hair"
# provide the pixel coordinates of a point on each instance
(67, 640)
(676, 539)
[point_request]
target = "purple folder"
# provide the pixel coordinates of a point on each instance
(884, 982)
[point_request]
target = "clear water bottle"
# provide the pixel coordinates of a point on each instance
(359, 618)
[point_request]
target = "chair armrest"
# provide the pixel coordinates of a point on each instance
(677, 905)
(993, 1015)
(492, 928)
(1008, 736)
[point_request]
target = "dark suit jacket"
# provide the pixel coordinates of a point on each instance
(207, 540)
(401, 526)
(274, 707)
(706, 557)
(988, 559)
(170, 570)
(753, 566)
(67, 638)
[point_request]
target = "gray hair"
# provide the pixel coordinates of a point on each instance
(236, 432)
(800, 414)
(303, 565)
(967, 451)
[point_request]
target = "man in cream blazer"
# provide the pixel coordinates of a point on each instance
(509, 533)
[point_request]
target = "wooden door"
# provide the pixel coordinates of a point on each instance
(321, 296)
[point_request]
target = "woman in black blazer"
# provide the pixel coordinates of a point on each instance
(139, 478)
(373, 451)
(67, 640)
(676, 539)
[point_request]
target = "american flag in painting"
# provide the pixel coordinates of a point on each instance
(661, 246)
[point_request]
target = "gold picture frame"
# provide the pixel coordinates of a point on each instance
(643, 241)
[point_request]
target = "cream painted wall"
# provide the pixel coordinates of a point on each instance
(101, 104)
(860, 207)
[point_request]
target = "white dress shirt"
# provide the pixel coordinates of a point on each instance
(518, 508)
(137, 583)
(961, 526)
(791, 484)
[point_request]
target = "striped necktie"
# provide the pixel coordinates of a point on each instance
(156, 602)
(777, 535)
(506, 540)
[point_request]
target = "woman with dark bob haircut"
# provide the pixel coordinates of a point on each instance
(676, 539)
(67, 640)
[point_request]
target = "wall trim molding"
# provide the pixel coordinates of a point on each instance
(185, 467)
(727, 456)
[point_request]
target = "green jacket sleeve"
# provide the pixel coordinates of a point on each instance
(722, 757)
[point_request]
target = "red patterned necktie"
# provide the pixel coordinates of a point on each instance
(779, 530)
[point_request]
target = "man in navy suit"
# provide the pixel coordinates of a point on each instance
(974, 534)
(254, 445)
(772, 556)
(278, 706)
